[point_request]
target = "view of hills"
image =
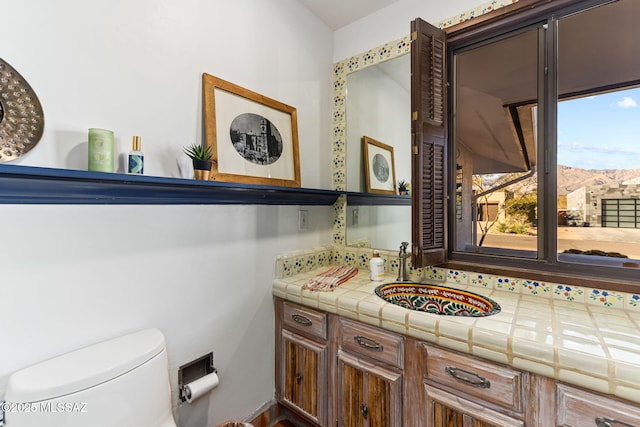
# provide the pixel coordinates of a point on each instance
(570, 178)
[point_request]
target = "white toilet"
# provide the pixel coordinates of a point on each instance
(123, 382)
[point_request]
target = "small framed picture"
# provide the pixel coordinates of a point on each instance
(253, 139)
(379, 169)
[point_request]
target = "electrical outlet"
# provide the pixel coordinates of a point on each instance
(303, 220)
(354, 219)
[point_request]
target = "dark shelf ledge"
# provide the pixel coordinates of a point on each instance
(373, 199)
(36, 185)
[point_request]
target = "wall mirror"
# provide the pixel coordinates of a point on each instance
(379, 106)
(377, 103)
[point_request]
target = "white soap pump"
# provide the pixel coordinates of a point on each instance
(376, 267)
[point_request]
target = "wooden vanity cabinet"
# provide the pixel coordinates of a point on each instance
(339, 372)
(581, 408)
(301, 362)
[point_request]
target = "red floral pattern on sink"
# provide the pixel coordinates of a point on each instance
(437, 299)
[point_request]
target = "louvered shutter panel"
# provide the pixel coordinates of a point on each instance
(429, 140)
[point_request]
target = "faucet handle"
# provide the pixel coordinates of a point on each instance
(403, 246)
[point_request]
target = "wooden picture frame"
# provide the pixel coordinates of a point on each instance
(379, 167)
(253, 139)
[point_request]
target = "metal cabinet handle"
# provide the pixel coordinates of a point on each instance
(368, 343)
(608, 422)
(298, 378)
(364, 410)
(303, 320)
(467, 377)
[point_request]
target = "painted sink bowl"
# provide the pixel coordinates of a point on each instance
(437, 299)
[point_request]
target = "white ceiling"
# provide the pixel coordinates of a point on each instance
(338, 13)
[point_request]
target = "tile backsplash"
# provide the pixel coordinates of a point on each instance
(298, 262)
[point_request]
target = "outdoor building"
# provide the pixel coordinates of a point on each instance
(606, 205)
(492, 206)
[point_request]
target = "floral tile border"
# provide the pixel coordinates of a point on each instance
(569, 293)
(481, 280)
(558, 291)
(339, 221)
(480, 10)
(298, 262)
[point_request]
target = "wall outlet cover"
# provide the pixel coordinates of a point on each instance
(303, 220)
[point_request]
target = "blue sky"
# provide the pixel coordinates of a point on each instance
(600, 132)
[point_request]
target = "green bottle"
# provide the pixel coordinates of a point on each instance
(101, 158)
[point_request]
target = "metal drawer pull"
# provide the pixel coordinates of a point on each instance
(303, 320)
(367, 343)
(364, 410)
(467, 377)
(608, 422)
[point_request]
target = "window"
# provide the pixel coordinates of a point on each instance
(495, 100)
(542, 133)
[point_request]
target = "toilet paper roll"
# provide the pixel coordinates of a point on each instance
(201, 386)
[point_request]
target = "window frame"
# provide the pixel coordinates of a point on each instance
(548, 265)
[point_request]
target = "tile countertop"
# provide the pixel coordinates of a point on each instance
(590, 346)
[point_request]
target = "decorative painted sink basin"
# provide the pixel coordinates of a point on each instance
(437, 299)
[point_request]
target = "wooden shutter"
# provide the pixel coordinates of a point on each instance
(429, 144)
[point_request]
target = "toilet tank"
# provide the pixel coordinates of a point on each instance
(117, 383)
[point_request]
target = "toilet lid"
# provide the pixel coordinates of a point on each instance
(84, 368)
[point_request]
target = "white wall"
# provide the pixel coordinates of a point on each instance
(392, 23)
(75, 275)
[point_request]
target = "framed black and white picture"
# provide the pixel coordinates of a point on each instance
(253, 139)
(379, 169)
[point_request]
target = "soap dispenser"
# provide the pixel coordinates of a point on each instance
(376, 267)
(135, 164)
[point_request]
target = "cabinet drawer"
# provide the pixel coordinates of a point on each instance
(487, 381)
(579, 408)
(305, 320)
(375, 343)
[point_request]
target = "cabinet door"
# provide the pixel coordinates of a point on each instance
(304, 374)
(447, 410)
(579, 408)
(369, 395)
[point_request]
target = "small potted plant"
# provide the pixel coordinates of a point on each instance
(403, 187)
(200, 154)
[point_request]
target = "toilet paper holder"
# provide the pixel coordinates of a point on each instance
(193, 370)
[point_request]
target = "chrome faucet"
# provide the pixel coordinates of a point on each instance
(403, 275)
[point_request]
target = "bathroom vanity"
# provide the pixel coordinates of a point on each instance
(348, 358)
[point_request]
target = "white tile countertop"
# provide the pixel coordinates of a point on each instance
(596, 347)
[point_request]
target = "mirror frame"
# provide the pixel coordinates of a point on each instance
(341, 69)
